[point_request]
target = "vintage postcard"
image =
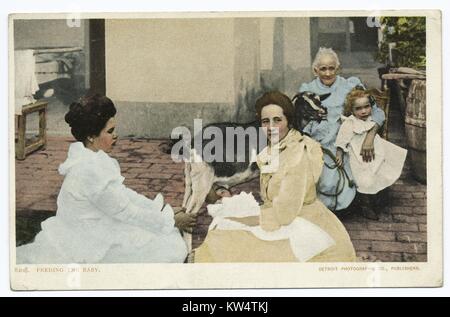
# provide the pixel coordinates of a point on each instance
(225, 150)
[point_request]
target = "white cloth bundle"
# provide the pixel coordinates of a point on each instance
(306, 239)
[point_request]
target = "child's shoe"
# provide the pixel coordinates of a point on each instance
(367, 204)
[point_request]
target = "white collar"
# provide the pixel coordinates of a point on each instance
(359, 126)
(79, 153)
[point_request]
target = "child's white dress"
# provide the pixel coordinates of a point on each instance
(381, 172)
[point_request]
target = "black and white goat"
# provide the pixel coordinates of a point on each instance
(308, 106)
(236, 163)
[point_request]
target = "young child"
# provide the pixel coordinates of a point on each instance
(384, 166)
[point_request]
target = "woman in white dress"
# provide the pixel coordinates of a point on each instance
(99, 219)
(377, 171)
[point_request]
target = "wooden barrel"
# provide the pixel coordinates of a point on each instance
(415, 128)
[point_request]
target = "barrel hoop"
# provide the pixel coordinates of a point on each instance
(416, 122)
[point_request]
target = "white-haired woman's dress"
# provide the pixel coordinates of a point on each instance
(100, 220)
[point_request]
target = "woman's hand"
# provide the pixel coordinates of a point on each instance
(185, 222)
(339, 157)
(367, 149)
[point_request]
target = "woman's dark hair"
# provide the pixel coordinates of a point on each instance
(279, 99)
(89, 115)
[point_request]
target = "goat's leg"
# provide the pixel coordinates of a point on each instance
(202, 179)
(202, 176)
(187, 184)
(188, 194)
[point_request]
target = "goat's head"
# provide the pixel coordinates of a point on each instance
(308, 106)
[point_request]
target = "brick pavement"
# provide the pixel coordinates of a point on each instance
(400, 234)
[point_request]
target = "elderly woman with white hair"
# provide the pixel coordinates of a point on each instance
(335, 188)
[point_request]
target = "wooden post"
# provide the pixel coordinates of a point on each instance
(43, 127)
(20, 147)
(348, 42)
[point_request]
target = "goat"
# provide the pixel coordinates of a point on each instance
(233, 167)
(308, 106)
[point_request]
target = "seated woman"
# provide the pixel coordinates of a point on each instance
(99, 219)
(293, 226)
(334, 188)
